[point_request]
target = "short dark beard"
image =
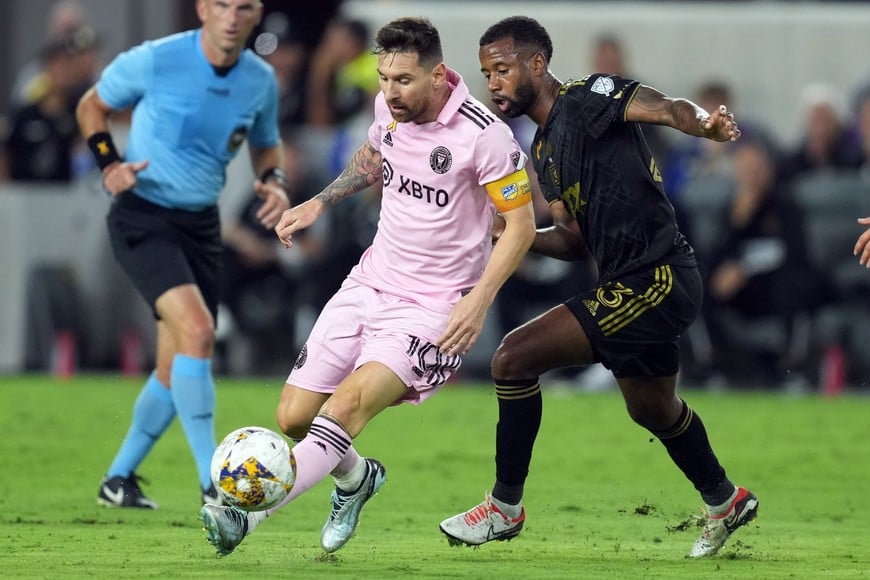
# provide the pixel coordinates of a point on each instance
(521, 104)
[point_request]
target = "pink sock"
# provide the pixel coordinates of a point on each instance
(319, 453)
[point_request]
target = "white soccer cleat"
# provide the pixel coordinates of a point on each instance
(346, 507)
(719, 528)
(482, 523)
(226, 527)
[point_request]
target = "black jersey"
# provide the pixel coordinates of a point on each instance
(599, 165)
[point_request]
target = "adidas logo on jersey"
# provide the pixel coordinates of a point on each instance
(388, 139)
(592, 305)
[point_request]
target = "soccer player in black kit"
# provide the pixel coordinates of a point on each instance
(606, 198)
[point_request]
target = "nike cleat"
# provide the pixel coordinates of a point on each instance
(719, 528)
(481, 524)
(123, 492)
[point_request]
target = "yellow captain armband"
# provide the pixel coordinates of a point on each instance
(510, 192)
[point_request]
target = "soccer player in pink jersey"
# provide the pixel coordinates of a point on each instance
(416, 301)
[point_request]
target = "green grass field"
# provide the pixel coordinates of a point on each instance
(603, 501)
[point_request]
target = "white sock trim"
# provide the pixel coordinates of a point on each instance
(353, 478)
(718, 510)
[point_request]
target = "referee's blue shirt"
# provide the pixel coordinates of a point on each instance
(188, 121)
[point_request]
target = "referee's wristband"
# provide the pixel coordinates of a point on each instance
(276, 174)
(103, 149)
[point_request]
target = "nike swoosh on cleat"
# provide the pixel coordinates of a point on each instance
(116, 497)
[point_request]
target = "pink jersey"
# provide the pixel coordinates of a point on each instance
(433, 239)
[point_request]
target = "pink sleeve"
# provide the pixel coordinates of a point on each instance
(497, 154)
(378, 125)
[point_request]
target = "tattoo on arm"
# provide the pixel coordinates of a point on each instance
(651, 106)
(364, 169)
(651, 102)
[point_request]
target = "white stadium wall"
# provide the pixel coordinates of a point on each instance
(767, 51)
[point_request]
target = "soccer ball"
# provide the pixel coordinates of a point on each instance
(253, 469)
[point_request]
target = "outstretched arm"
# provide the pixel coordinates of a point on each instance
(364, 169)
(651, 106)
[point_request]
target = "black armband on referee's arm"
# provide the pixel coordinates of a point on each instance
(277, 174)
(103, 148)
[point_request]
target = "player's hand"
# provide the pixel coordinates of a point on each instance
(298, 218)
(120, 177)
(464, 324)
(275, 202)
(720, 126)
(862, 246)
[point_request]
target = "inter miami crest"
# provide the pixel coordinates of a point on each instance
(237, 138)
(302, 358)
(440, 160)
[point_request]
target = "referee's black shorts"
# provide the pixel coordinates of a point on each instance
(634, 323)
(163, 248)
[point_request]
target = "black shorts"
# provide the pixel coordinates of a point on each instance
(163, 248)
(634, 323)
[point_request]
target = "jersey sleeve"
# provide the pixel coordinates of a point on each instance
(264, 132)
(501, 166)
(600, 100)
(376, 128)
(123, 82)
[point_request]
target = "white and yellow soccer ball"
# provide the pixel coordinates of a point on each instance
(253, 469)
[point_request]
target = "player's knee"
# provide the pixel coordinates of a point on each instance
(197, 339)
(650, 416)
(347, 411)
(508, 361)
(639, 414)
(292, 424)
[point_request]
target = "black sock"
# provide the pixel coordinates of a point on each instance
(688, 445)
(519, 418)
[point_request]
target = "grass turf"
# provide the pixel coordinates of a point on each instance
(603, 500)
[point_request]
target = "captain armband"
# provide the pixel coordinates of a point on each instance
(103, 149)
(277, 175)
(510, 192)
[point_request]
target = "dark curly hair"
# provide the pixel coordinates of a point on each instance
(526, 32)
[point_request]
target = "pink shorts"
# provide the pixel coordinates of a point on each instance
(360, 325)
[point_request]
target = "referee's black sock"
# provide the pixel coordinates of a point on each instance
(519, 418)
(688, 445)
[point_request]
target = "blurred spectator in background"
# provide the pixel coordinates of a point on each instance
(342, 81)
(65, 18)
(271, 295)
(308, 18)
(760, 267)
(258, 291)
(825, 143)
(281, 44)
(609, 57)
(694, 161)
(42, 134)
(862, 131)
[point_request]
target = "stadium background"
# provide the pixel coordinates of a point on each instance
(767, 51)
